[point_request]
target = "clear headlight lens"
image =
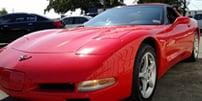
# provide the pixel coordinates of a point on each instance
(93, 85)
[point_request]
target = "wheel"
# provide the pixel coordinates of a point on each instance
(195, 52)
(144, 74)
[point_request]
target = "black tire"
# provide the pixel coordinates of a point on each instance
(136, 92)
(194, 57)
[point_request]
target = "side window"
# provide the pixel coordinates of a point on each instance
(80, 20)
(5, 19)
(171, 15)
(31, 18)
(20, 19)
(68, 21)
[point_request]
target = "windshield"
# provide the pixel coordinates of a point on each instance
(130, 15)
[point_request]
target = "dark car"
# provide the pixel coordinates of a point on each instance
(75, 21)
(13, 26)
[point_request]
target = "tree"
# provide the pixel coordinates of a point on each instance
(63, 6)
(150, 1)
(183, 7)
(3, 12)
(111, 3)
(180, 5)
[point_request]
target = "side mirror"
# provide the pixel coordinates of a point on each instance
(182, 20)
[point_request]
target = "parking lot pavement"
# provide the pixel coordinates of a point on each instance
(182, 83)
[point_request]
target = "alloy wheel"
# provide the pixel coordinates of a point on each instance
(147, 75)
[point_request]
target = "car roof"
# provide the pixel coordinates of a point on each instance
(155, 4)
(149, 4)
(25, 14)
(88, 17)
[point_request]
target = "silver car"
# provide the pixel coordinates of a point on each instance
(75, 21)
(198, 17)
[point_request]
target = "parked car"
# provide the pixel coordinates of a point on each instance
(13, 26)
(75, 21)
(198, 17)
(119, 54)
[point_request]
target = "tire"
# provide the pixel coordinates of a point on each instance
(195, 52)
(144, 76)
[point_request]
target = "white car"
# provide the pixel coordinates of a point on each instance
(75, 21)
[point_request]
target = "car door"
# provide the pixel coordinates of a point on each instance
(19, 24)
(6, 26)
(15, 27)
(3, 32)
(31, 22)
(175, 37)
(5, 22)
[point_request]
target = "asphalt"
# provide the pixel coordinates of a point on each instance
(183, 82)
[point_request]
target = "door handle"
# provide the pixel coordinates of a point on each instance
(189, 25)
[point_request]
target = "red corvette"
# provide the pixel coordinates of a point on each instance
(118, 55)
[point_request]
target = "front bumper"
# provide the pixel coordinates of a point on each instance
(26, 79)
(15, 85)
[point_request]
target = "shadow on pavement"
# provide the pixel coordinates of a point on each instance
(182, 82)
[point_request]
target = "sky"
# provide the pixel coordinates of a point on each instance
(38, 6)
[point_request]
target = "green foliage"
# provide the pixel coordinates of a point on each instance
(3, 12)
(112, 3)
(62, 6)
(151, 1)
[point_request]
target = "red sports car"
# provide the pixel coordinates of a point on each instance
(118, 55)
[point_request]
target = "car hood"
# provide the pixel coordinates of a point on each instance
(71, 40)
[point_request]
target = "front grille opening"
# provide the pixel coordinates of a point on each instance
(84, 99)
(65, 87)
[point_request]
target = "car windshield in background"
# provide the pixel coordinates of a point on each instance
(130, 15)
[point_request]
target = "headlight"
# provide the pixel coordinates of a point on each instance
(93, 85)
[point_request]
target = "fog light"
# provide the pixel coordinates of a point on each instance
(93, 85)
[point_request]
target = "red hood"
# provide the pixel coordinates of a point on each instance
(70, 40)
